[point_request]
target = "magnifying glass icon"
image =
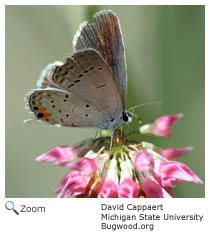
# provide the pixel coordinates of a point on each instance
(9, 205)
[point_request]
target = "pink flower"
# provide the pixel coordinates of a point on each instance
(85, 165)
(172, 172)
(64, 154)
(153, 189)
(108, 189)
(128, 188)
(161, 127)
(143, 161)
(130, 169)
(60, 154)
(110, 171)
(74, 184)
(172, 153)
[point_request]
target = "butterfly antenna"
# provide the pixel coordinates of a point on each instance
(131, 110)
(111, 140)
(144, 105)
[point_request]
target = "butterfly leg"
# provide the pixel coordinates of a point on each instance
(124, 129)
(98, 133)
(112, 139)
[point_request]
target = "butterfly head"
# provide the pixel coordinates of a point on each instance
(126, 117)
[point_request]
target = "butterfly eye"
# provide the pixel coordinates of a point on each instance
(126, 116)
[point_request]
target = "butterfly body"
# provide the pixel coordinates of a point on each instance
(89, 88)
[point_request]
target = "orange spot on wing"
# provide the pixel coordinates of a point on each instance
(46, 115)
(42, 109)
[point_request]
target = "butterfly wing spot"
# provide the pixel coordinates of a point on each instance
(100, 68)
(76, 81)
(70, 63)
(71, 85)
(103, 85)
(40, 112)
(85, 72)
(42, 109)
(64, 74)
(56, 77)
(43, 115)
(62, 80)
(86, 115)
(73, 109)
(40, 115)
(87, 105)
(59, 69)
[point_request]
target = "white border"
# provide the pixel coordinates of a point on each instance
(107, 2)
(82, 214)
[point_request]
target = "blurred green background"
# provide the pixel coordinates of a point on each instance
(165, 57)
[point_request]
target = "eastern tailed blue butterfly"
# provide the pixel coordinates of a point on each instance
(89, 89)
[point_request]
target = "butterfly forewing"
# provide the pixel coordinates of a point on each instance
(87, 76)
(89, 89)
(105, 36)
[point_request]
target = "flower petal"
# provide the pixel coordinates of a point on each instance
(153, 189)
(172, 172)
(60, 154)
(128, 188)
(144, 161)
(110, 171)
(108, 189)
(127, 169)
(74, 183)
(162, 125)
(172, 153)
(64, 154)
(86, 165)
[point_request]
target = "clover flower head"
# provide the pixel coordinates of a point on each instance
(129, 169)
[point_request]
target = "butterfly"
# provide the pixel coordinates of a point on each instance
(89, 88)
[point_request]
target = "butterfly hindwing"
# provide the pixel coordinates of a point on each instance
(59, 107)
